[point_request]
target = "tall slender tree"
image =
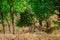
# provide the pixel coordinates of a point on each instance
(16, 6)
(4, 9)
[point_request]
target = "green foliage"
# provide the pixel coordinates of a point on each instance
(5, 7)
(43, 8)
(26, 17)
(10, 2)
(19, 6)
(56, 24)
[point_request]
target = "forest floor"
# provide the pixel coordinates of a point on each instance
(23, 34)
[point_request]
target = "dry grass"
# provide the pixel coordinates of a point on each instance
(28, 36)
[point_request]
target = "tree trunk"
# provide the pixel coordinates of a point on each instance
(12, 14)
(3, 23)
(13, 23)
(8, 25)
